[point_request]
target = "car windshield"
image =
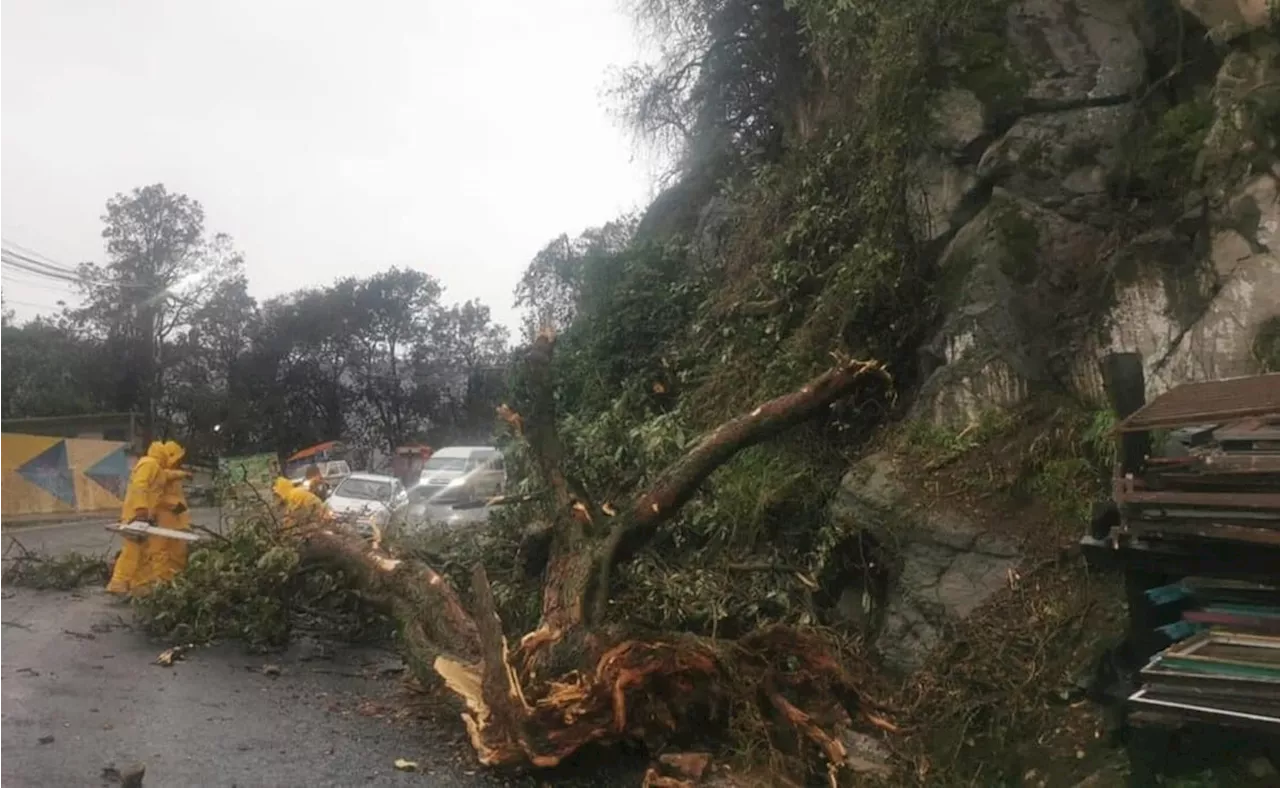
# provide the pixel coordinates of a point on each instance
(364, 489)
(445, 464)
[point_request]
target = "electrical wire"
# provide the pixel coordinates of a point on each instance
(48, 285)
(30, 265)
(38, 271)
(36, 259)
(33, 253)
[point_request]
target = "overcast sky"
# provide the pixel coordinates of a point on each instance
(327, 139)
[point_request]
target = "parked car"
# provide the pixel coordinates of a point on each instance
(434, 507)
(365, 500)
(478, 469)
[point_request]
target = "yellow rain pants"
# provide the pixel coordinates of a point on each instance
(155, 494)
(168, 557)
(140, 501)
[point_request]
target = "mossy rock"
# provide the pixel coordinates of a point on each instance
(992, 70)
(1002, 234)
(1245, 129)
(1020, 242)
(1164, 151)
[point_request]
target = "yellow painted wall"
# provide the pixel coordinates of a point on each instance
(28, 479)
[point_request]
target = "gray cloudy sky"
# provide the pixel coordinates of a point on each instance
(328, 139)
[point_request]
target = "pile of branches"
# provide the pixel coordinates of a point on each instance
(30, 569)
(579, 678)
(253, 584)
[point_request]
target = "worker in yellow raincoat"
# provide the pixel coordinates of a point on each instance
(168, 557)
(314, 482)
(141, 502)
(300, 504)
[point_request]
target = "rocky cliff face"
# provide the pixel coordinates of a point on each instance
(1100, 188)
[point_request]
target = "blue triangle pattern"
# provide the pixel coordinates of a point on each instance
(111, 473)
(49, 471)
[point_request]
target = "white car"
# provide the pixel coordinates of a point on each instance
(366, 500)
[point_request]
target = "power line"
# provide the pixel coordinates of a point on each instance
(42, 265)
(20, 266)
(28, 265)
(53, 271)
(34, 258)
(32, 252)
(38, 262)
(11, 279)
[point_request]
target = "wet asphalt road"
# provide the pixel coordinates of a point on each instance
(80, 694)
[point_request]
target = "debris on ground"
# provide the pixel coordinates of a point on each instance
(406, 766)
(32, 569)
(171, 655)
(130, 777)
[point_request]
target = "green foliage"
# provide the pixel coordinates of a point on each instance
(1164, 155)
(730, 564)
(629, 307)
(168, 328)
(49, 371)
(1058, 456)
(807, 250)
(61, 572)
(252, 586)
(938, 445)
(1266, 345)
(455, 553)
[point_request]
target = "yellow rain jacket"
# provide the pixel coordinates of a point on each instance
(300, 504)
(168, 557)
(141, 502)
(155, 494)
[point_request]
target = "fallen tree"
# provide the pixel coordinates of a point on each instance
(580, 677)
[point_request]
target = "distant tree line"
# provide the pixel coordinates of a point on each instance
(167, 329)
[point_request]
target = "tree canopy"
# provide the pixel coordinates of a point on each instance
(167, 329)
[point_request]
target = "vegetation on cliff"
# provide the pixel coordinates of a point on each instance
(676, 537)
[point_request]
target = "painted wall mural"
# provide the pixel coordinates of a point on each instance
(46, 475)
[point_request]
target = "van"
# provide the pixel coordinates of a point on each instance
(478, 469)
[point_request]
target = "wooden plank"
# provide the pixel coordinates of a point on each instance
(1142, 698)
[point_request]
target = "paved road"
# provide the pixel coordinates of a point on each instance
(80, 694)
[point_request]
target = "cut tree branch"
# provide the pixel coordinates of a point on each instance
(677, 484)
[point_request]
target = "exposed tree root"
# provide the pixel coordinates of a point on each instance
(572, 682)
